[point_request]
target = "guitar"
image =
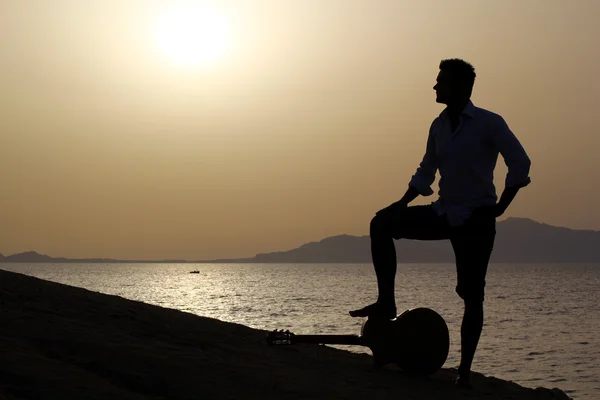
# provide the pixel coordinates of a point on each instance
(417, 340)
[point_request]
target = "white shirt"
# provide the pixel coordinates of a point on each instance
(466, 160)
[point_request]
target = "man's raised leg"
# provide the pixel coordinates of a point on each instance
(416, 222)
(383, 253)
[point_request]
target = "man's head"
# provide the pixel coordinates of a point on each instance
(454, 82)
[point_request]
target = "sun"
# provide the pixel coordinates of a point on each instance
(192, 35)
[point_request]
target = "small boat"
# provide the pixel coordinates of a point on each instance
(194, 272)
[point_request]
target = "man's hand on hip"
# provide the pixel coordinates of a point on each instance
(492, 211)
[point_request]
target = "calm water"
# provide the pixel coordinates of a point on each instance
(540, 328)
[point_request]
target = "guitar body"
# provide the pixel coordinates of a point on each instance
(417, 340)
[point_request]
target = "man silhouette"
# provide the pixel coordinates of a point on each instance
(463, 144)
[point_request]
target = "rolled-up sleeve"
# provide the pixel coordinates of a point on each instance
(425, 175)
(514, 155)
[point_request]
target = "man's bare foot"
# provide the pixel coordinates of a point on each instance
(376, 310)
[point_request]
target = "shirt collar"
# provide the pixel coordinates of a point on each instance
(469, 110)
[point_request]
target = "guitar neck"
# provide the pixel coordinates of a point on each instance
(329, 339)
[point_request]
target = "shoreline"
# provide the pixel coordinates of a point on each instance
(64, 342)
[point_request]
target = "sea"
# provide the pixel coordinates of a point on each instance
(541, 320)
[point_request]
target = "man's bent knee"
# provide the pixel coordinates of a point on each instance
(379, 227)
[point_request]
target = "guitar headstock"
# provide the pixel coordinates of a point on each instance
(278, 337)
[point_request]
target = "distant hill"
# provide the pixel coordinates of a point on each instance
(34, 257)
(518, 240)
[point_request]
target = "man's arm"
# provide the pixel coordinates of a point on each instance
(516, 160)
(507, 197)
(420, 184)
(421, 181)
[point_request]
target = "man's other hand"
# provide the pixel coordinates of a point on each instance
(493, 211)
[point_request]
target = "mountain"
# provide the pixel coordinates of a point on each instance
(525, 240)
(518, 240)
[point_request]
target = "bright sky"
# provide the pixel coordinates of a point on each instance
(127, 132)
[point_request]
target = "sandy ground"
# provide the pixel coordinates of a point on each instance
(61, 342)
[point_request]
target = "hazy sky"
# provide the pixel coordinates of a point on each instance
(313, 116)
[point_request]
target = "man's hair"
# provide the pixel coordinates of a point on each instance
(460, 70)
